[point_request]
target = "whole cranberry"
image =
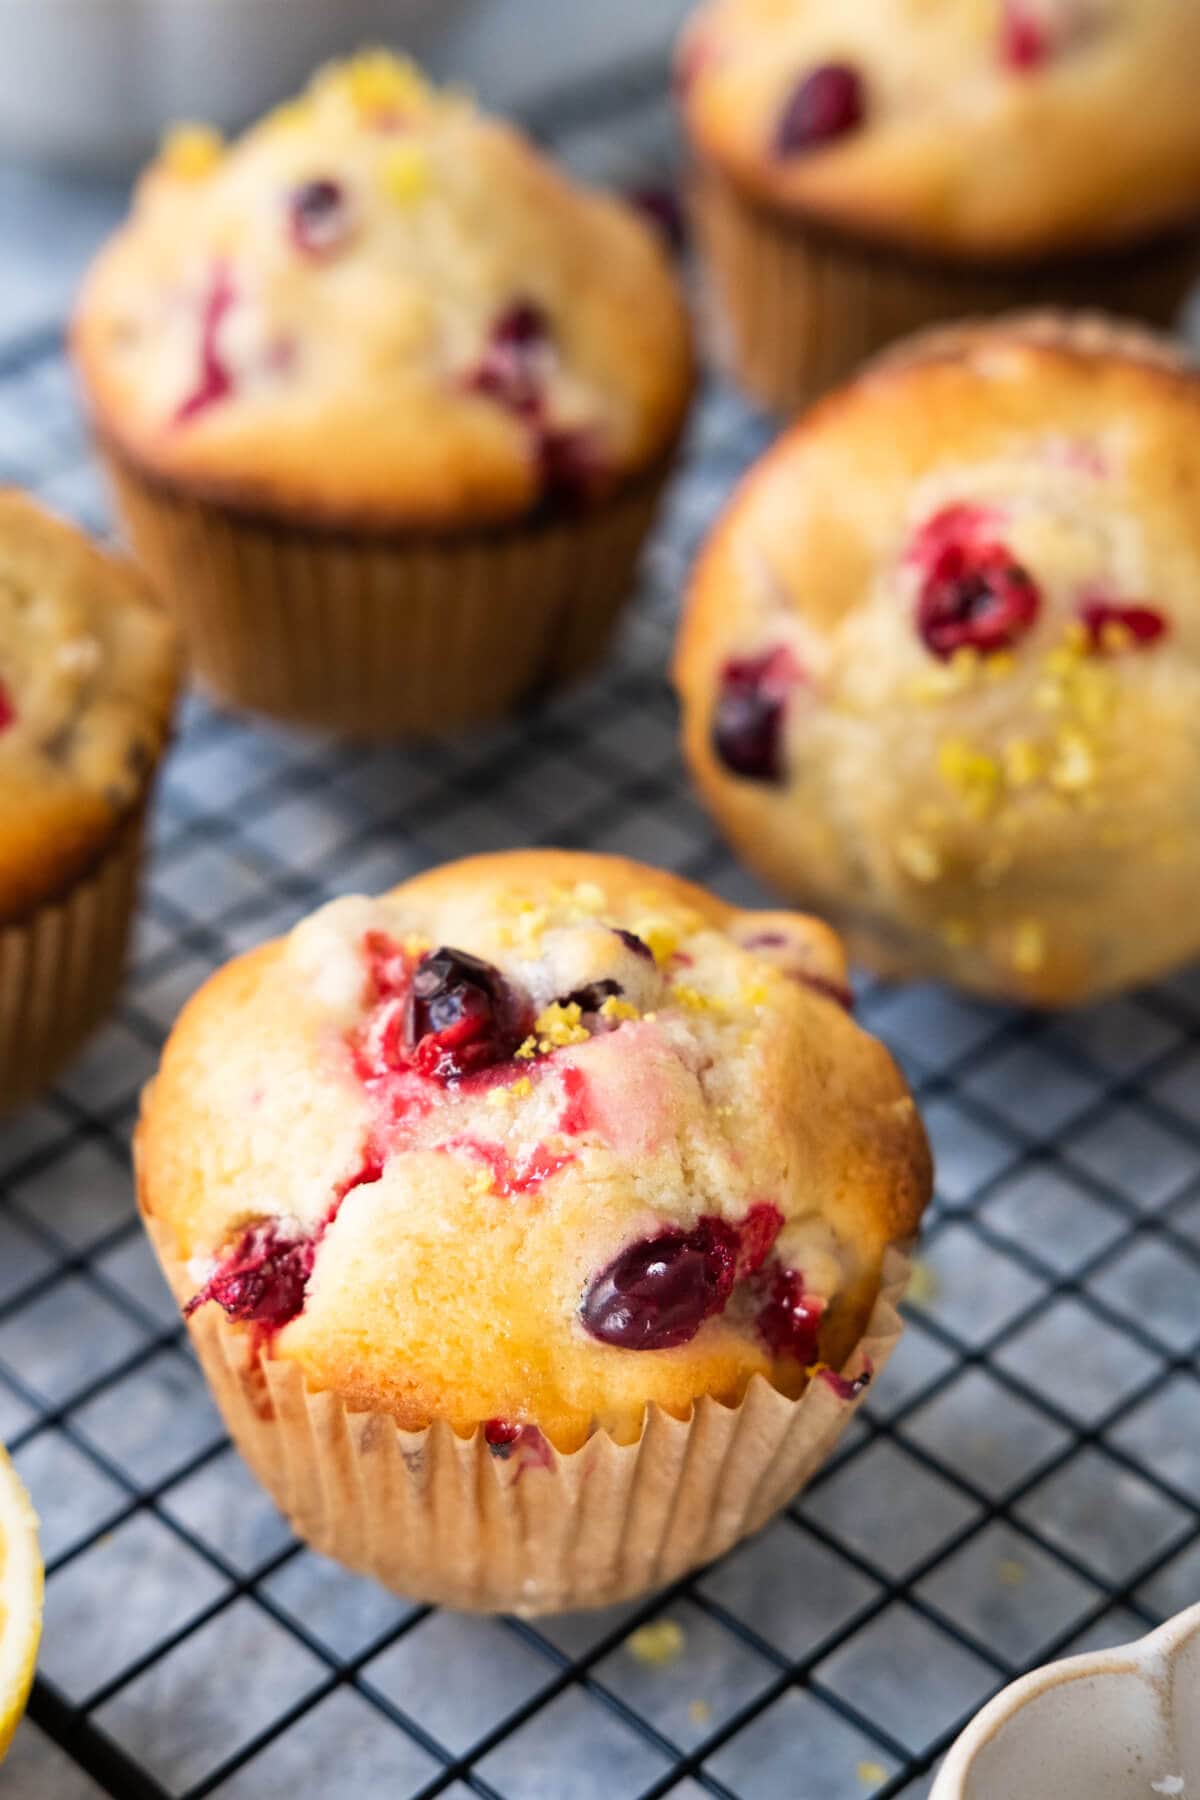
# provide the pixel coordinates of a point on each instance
(319, 217)
(214, 381)
(829, 102)
(747, 726)
(8, 711)
(975, 595)
(462, 1015)
(513, 365)
(658, 1293)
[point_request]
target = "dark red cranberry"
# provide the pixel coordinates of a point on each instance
(571, 464)
(8, 711)
(747, 727)
(826, 104)
(1024, 40)
(461, 1015)
(975, 596)
(658, 1293)
(215, 381)
(501, 1436)
(513, 366)
(319, 217)
(1143, 624)
(661, 206)
(262, 1280)
(789, 1319)
(633, 942)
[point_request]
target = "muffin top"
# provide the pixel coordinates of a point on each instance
(379, 308)
(533, 1139)
(941, 660)
(994, 129)
(88, 669)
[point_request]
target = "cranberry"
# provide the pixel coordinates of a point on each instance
(658, 1293)
(759, 1229)
(633, 942)
(319, 217)
(262, 1280)
(1143, 624)
(215, 381)
(826, 104)
(8, 711)
(500, 1436)
(520, 1174)
(661, 206)
(461, 1015)
(504, 1440)
(1024, 40)
(975, 595)
(513, 366)
(577, 1114)
(847, 1387)
(747, 727)
(789, 1319)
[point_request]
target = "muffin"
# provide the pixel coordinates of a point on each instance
(940, 665)
(87, 680)
(387, 402)
(539, 1224)
(868, 167)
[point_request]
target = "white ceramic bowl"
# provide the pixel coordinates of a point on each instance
(91, 84)
(1118, 1724)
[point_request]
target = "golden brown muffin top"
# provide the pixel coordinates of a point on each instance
(941, 658)
(991, 129)
(88, 670)
(381, 309)
(535, 1138)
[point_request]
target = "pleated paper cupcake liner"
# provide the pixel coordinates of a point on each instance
(385, 636)
(61, 967)
(522, 1527)
(796, 308)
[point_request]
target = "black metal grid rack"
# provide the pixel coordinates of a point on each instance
(1024, 1480)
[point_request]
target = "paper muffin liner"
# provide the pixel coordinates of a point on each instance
(380, 636)
(797, 308)
(444, 1519)
(61, 967)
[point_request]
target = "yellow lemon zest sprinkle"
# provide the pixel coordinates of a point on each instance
(378, 84)
(1074, 766)
(694, 1001)
(527, 1051)
(482, 1182)
(1023, 763)
(918, 858)
(973, 775)
(406, 174)
(557, 1025)
(657, 1643)
(616, 1008)
(660, 937)
(190, 152)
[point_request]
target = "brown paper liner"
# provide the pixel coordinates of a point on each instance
(388, 635)
(797, 308)
(61, 967)
(441, 1518)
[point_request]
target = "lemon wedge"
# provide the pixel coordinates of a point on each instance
(20, 1599)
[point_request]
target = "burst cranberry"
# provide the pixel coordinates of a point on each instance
(513, 367)
(461, 1015)
(747, 727)
(215, 381)
(759, 1229)
(262, 1280)
(658, 1293)
(1024, 40)
(8, 712)
(789, 1319)
(975, 596)
(1139, 626)
(825, 105)
(319, 218)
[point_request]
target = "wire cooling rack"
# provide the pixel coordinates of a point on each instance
(1023, 1481)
